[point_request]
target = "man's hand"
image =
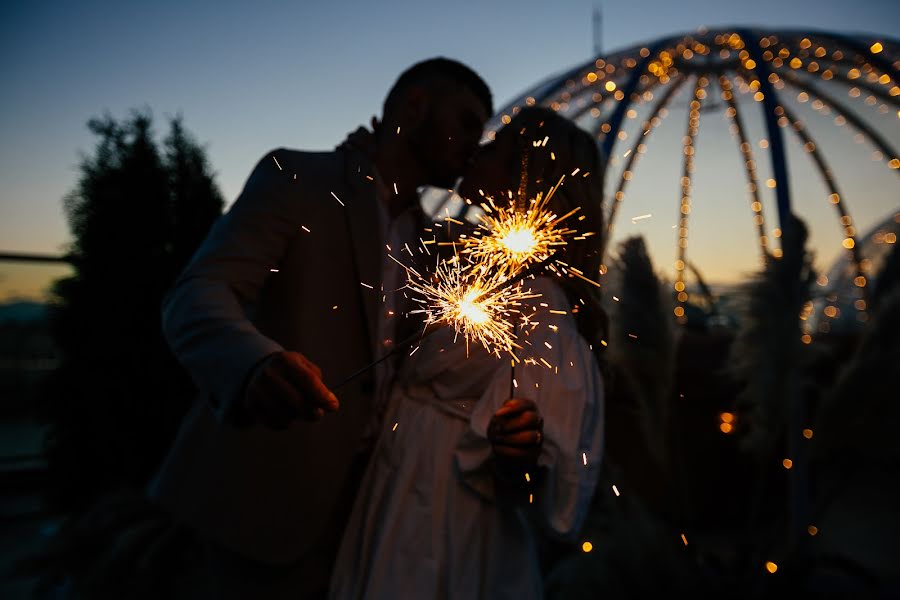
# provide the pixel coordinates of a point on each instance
(363, 140)
(285, 387)
(516, 430)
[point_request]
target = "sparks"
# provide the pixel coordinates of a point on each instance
(472, 300)
(517, 232)
(336, 198)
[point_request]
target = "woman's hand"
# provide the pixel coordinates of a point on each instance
(516, 431)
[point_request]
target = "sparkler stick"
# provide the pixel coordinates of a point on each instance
(401, 345)
(512, 373)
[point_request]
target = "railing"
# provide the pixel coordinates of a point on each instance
(39, 258)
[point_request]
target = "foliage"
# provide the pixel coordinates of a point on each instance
(768, 350)
(642, 342)
(136, 215)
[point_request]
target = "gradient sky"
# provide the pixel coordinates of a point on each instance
(248, 77)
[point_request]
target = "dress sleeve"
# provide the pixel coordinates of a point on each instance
(204, 315)
(558, 371)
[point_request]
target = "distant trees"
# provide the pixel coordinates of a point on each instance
(136, 216)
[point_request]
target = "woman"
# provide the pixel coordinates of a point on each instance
(462, 473)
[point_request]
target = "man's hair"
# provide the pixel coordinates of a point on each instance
(438, 69)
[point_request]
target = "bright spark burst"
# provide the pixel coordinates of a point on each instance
(473, 300)
(512, 235)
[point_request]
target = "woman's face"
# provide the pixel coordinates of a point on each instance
(495, 168)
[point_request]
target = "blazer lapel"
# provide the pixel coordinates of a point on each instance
(365, 235)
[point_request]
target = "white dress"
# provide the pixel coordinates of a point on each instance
(426, 523)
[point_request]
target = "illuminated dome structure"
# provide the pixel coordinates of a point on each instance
(776, 93)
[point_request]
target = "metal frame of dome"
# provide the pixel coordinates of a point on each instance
(739, 60)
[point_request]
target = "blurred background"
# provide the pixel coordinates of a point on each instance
(751, 272)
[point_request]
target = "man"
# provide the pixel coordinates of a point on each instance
(292, 289)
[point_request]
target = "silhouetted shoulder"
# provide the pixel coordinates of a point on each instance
(284, 173)
(304, 164)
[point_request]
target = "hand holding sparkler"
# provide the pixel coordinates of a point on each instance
(516, 430)
(286, 387)
(516, 435)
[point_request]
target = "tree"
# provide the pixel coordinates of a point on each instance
(136, 216)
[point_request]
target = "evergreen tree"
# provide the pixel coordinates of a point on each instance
(136, 216)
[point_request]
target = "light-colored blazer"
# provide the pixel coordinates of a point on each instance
(312, 218)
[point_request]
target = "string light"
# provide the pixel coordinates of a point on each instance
(750, 165)
(794, 63)
(657, 114)
(846, 221)
(681, 295)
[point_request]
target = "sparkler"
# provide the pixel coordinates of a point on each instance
(472, 299)
(463, 309)
(517, 233)
(476, 291)
(512, 235)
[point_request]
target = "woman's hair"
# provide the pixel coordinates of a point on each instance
(567, 148)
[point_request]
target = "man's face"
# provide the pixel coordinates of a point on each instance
(495, 169)
(449, 134)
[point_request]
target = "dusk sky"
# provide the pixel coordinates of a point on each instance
(249, 77)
